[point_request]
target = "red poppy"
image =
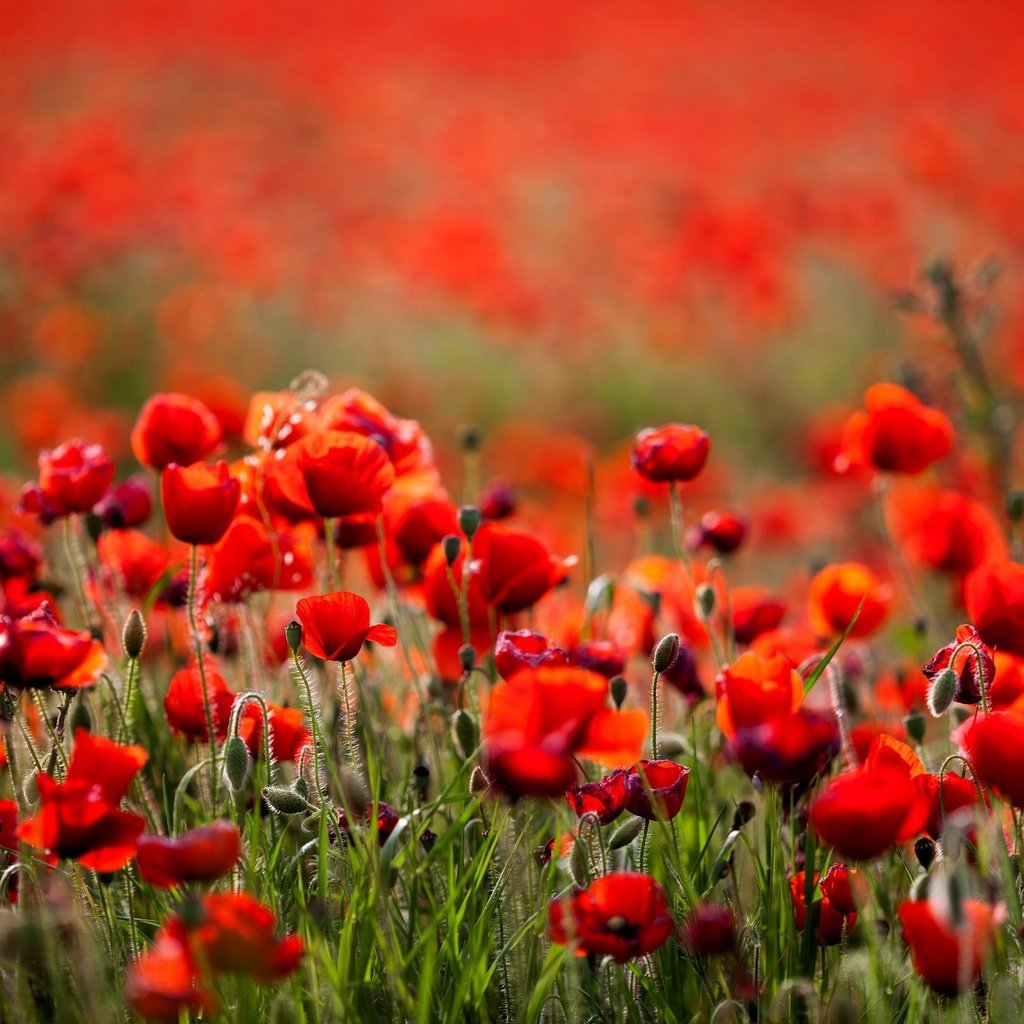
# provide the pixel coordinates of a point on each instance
(276, 419)
(973, 674)
(709, 930)
(166, 981)
(126, 505)
(36, 653)
(384, 823)
(247, 560)
(288, 731)
(538, 720)
(497, 501)
(832, 923)
(655, 789)
(861, 813)
(837, 591)
(722, 531)
(516, 649)
(133, 561)
(417, 523)
(605, 798)
(673, 452)
(994, 597)
(623, 915)
(174, 428)
(20, 556)
(995, 746)
(335, 626)
(755, 610)
(601, 656)
(845, 888)
(515, 569)
(201, 855)
(184, 707)
(788, 748)
(340, 473)
(199, 501)
(1008, 684)
(72, 478)
(897, 433)
(440, 596)
(754, 689)
(80, 818)
(948, 958)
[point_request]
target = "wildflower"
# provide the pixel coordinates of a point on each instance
(670, 453)
(709, 930)
(655, 789)
(201, 855)
(515, 568)
(199, 501)
(72, 478)
(994, 598)
(605, 798)
(753, 689)
(722, 531)
(516, 649)
(174, 428)
(838, 590)
(335, 626)
(37, 653)
(788, 748)
(974, 673)
(995, 746)
(755, 610)
(831, 923)
(184, 705)
(126, 505)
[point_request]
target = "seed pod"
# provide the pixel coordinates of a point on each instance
(924, 849)
(293, 634)
(236, 763)
(133, 636)
(625, 833)
(467, 657)
(452, 546)
(284, 801)
(619, 688)
(469, 520)
(942, 692)
(666, 652)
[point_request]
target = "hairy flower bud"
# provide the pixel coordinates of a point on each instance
(942, 692)
(283, 800)
(133, 636)
(236, 763)
(666, 652)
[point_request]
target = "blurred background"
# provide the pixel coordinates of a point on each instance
(562, 221)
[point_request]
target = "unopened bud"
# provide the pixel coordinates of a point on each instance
(465, 734)
(915, 723)
(706, 600)
(469, 520)
(301, 786)
(924, 849)
(133, 636)
(1015, 506)
(666, 652)
(942, 692)
(452, 546)
(80, 718)
(236, 763)
(625, 833)
(283, 800)
(293, 634)
(470, 437)
(579, 864)
(619, 688)
(467, 657)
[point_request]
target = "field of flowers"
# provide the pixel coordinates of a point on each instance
(512, 512)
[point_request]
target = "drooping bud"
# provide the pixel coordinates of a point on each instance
(915, 723)
(924, 849)
(666, 652)
(133, 636)
(706, 601)
(469, 520)
(452, 546)
(293, 634)
(625, 833)
(465, 734)
(942, 692)
(283, 800)
(467, 657)
(618, 688)
(236, 763)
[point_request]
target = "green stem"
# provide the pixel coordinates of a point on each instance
(193, 580)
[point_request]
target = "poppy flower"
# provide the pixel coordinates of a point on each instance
(754, 611)
(245, 560)
(672, 452)
(288, 731)
(497, 501)
(788, 748)
(540, 719)
(994, 598)
(832, 923)
(863, 812)
(845, 888)
(80, 818)
(72, 478)
(897, 433)
(126, 505)
(335, 626)
(995, 747)
(837, 591)
(753, 689)
(36, 653)
(1008, 684)
(416, 524)
(340, 473)
(949, 959)
(623, 915)
(605, 798)
(201, 855)
(721, 531)
(133, 561)
(174, 428)
(184, 707)
(655, 789)
(165, 981)
(440, 597)
(601, 656)
(199, 501)
(515, 569)
(974, 674)
(709, 930)
(521, 648)
(384, 823)
(20, 556)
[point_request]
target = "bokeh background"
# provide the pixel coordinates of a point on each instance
(562, 221)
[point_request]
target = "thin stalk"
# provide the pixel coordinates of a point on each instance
(193, 581)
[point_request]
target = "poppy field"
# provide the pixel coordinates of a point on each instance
(512, 513)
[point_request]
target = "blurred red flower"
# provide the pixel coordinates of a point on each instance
(837, 591)
(200, 855)
(176, 428)
(831, 923)
(520, 648)
(72, 478)
(994, 597)
(605, 798)
(656, 789)
(184, 707)
(948, 958)
(199, 501)
(37, 653)
(754, 689)
(516, 570)
(788, 748)
(995, 747)
(672, 452)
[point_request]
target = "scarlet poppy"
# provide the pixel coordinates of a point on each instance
(166, 981)
(753, 689)
(416, 523)
(623, 915)
(199, 501)
(72, 478)
(515, 568)
(948, 958)
(672, 452)
(655, 789)
(335, 626)
(836, 593)
(974, 674)
(126, 505)
(176, 428)
(994, 597)
(288, 731)
(845, 888)
(995, 746)
(754, 611)
(516, 649)
(201, 855)
(709, 930)
(80, 818)
(442, 599)
(37, 653)
(133, 561)
(605, 798)
(247, 560)
(788, 748)
(184, 707)
(831, 923)
(601, 656)
(722, 531)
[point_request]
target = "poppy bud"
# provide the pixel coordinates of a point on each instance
(301, 786)
(942, 692)
(625, 833)
(467, 657)
(915, 723)
(666, 652)
(283, 800)
(236, 763)
(465, 734)
(618, 687)
(469, 520)
(470, 436)
(133, 636)
(80, 717)
(579, 864)
(452, 546)
(745, 811)
(293, 634)
(706, 600)
(924, 849)
(1015, 506)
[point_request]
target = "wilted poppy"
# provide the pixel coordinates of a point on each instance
(838, 590)
(655, 789)
(37, 653)
(974, 673)
(673, 452)
(199, 501)
(995, 746)
(200, 855)
(605, 798)
(521, 648)
(335, 626)
(788, 748)
(994, 597)
(515, 569)
(176, 428)
(72, 478)
(831, 923)
(623, 915)
(753, 689)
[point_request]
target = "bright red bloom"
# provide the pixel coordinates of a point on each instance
(656, 789)
(246, 560)
(335, 626)
(861, 813)
(72, 478)
(416, 524)
(623, 915)
(80, 818)
(831, 922)
(166, 980)
(440, 596)
(601, 656)
(710, 930)
(788, 748)
(183, 703)
(845, 888)
(754, 689)
(1009, 681)
(836, 592)
(973, 674)
(199, 501)
(722, 531)
(515, 569)
(538, 720)
(995, 746)
(341, 473)
(133, 561)
(606, 798)
(755, 610)
(201, 855)
(673, 452)
(288, 731)
(516, 649)
(994, 597)
(174, 428)
(126, 505)
(36, 653)
(948, 959)
(897, 433)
